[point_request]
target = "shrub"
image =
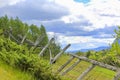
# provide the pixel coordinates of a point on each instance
(19, 56)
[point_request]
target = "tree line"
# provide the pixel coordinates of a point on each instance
(16, 27)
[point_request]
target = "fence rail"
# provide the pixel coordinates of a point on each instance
(90, 68)
(63, 66)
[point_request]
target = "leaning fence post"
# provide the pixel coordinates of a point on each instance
(38, 40)
(117, 76)
(23, 38)
(26, 40)
(86, 72)
(71, 67)
(59, 54)
(12, 37)
(63, 66)
(113, 68)
(51, 58)
(41, 53)
(10, 31)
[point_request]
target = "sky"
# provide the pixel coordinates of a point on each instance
(82, 23)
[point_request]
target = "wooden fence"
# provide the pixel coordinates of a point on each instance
(93, 64)
(36, 44)
(52, 60)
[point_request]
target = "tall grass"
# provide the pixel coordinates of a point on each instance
(9, 73)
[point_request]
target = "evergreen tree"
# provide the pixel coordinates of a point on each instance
(17, 27)
(4, 22)
(43, 33)
(34, 32)
(55, 46)
(117, 31)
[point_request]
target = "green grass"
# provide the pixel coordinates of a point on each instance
(97, 73)
(9, 73)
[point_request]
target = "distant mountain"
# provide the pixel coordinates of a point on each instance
(95, 49)
(100, 48)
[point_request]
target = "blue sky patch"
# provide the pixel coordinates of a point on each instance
(83, 1)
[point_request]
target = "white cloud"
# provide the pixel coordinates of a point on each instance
(83, 41)
(100, 13)
(8, 2)
(105, 35)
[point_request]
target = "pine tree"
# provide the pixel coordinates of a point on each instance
(43, 33)
(117, 31)
(4, 22)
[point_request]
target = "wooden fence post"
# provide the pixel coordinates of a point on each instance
(12, 37)
(71, 67)
(23, 39)
(117, 76)
(50, 56)
(86, 72)
(59, 54)
(38, 40)
(10, 31)
(41, 53)
(64, 65)
(27, 40)
(107, 66)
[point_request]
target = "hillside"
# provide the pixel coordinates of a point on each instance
(21, 53)
(97, 73)
(9, 73)
(21, 46)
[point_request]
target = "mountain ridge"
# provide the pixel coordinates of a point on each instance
(95, 49)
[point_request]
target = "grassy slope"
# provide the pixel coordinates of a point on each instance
(8, 73)
(97, 73)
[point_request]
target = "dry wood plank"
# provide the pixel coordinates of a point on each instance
(38, 40)
(71, 67)
(86, 72)
(26, 40)
(29, 42)
(23, 39)
(43, 50)
(59, 54)
(13, 37)
(107, 66)
(10, 31)
(64, 65)
(50, 56)
(117, 76)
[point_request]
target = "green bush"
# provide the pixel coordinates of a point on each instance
(23, 56)
(20, 57)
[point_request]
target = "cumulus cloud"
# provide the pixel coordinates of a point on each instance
(81, 42)
(9, 2)
(35, 10)
(86, 25)
(58, 26)
(100, 13)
